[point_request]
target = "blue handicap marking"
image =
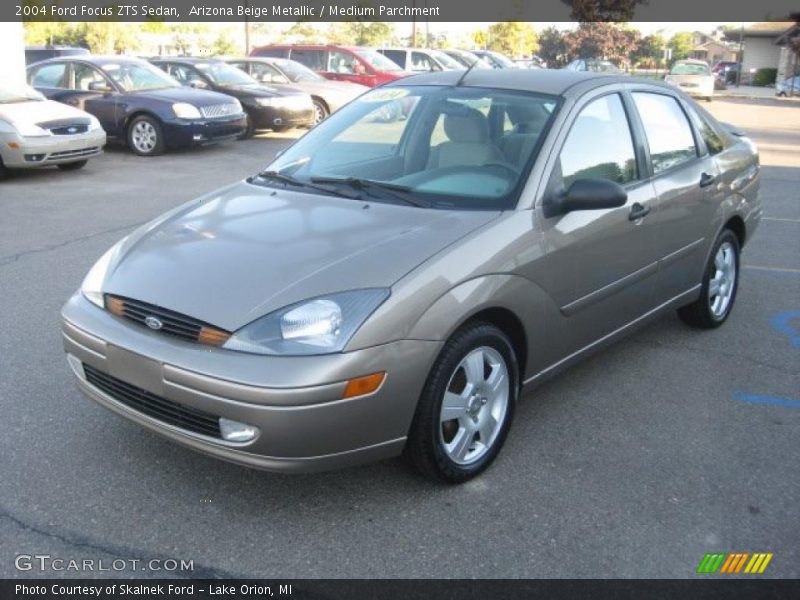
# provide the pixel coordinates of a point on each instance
(782, 322)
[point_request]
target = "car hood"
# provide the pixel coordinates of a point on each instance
(38, 111)
(245, 251)
(184, 94)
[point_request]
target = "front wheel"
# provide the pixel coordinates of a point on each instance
(320, 111)
(720, 282)
(73, 166)
(466, 407)
(145, 136)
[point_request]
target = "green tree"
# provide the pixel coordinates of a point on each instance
(552, 48)
(609, 41)
(513, 38)
(108, 37)
(363, 33)
(224, 46)
(303, 32)
(681, 44)
(603, 10)
(480, 38)
(650, 51)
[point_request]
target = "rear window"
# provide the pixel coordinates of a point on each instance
(689, 69)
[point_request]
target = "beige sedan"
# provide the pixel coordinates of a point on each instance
(36, 132)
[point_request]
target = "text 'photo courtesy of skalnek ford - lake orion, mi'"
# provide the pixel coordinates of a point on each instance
(480, 301)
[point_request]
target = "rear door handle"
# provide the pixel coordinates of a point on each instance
(638, 211)
(706, 179)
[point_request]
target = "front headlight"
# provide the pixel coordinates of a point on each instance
(184, 110)
(94, 124)
(92, 286)
(272, 101)
(322, 325)
(31, 130)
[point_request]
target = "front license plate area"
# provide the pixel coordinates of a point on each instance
(135, 369)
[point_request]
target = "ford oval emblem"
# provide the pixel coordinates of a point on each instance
(72, 130)
(153, 323)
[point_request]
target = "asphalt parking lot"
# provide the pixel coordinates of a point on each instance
(635, 463)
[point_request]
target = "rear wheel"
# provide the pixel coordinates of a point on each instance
(466, 407)
(145, 136)
(3, 170)
(720, 282)
(320, 111)
(73, 166)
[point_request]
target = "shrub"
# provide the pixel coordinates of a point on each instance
(765, 76)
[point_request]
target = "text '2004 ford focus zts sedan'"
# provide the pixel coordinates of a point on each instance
(389, 286)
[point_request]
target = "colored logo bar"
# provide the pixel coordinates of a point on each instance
(734, 562)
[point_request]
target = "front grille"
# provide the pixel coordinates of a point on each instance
(214, 111)
(171, 322)
(166, 411)
(69, 130)
(73, 153)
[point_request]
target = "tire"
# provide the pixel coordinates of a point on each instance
(709, 98)
(712, 309)
(320, 111)
(451, 450)
(281, 128)
(3, 170)
(145, 136)
(249, 130)
(73, 166)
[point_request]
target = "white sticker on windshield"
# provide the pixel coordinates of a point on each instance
(384, 95)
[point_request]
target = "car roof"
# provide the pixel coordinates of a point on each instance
(192, 60)
(555, 82)
(90, 58)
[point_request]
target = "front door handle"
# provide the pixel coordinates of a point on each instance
(638, 211)
(706, 179)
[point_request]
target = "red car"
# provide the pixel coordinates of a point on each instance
(340, 63)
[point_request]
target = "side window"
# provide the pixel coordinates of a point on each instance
(181, 73)
(49, 76)
(669, 135)
(420, 62)
(341, 62)
(313, 59)
(398, 56)
(267, 73)
(599, 144)
(713, 140)
(84, 76)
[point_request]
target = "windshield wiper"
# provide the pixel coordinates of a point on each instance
(289, 180)
(403, 193)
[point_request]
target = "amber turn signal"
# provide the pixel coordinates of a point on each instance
(361, 386)
(115, 306)
(212, 337)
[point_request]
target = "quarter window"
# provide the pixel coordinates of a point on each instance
(669, 135)
(313, 59)
(713, 140)
(599, 144)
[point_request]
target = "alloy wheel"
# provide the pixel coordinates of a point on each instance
(144, 137)
(722, 283)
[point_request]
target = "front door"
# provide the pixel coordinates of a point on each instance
(601, 264)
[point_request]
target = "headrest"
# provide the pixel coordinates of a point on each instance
(468, 125)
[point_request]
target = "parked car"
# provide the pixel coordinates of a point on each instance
(138, 103)
(467, 59)
(36, 132)
(527, 63)
(283, 73)
(788, 87)
(726, 71)
(693, 77)
(267, 107)
(383, 287)
(38, 53)
(355, 64)
(420, 59)
(496, 60)
(593, 65)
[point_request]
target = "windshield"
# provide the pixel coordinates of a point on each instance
(135, 77)
(460, 148)
(18, 93)
(223, 74)
(377, 60)
(446, 61)
(689, 69)
(297, 72)
(601, 66)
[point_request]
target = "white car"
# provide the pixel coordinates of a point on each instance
(693, 77)
(788, 87)
(36, 132)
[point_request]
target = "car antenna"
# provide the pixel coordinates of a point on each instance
(461, 79)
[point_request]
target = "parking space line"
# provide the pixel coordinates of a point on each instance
(776, 269)
(784, 220)
(772, 400)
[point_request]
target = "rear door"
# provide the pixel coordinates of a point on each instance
(601, 264)
(686, 180)
(102, 105)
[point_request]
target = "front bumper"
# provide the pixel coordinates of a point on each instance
(295, 402)
(297, 114)
(180, 133)
(20, 152)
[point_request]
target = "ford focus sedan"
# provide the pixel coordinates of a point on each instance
(139, 104)
(396, 287)
(36, 132)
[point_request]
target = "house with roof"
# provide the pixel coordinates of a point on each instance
(761, 47)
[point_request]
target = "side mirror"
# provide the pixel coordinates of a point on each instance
(101, 87)
(586, 194)
(198, 84)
